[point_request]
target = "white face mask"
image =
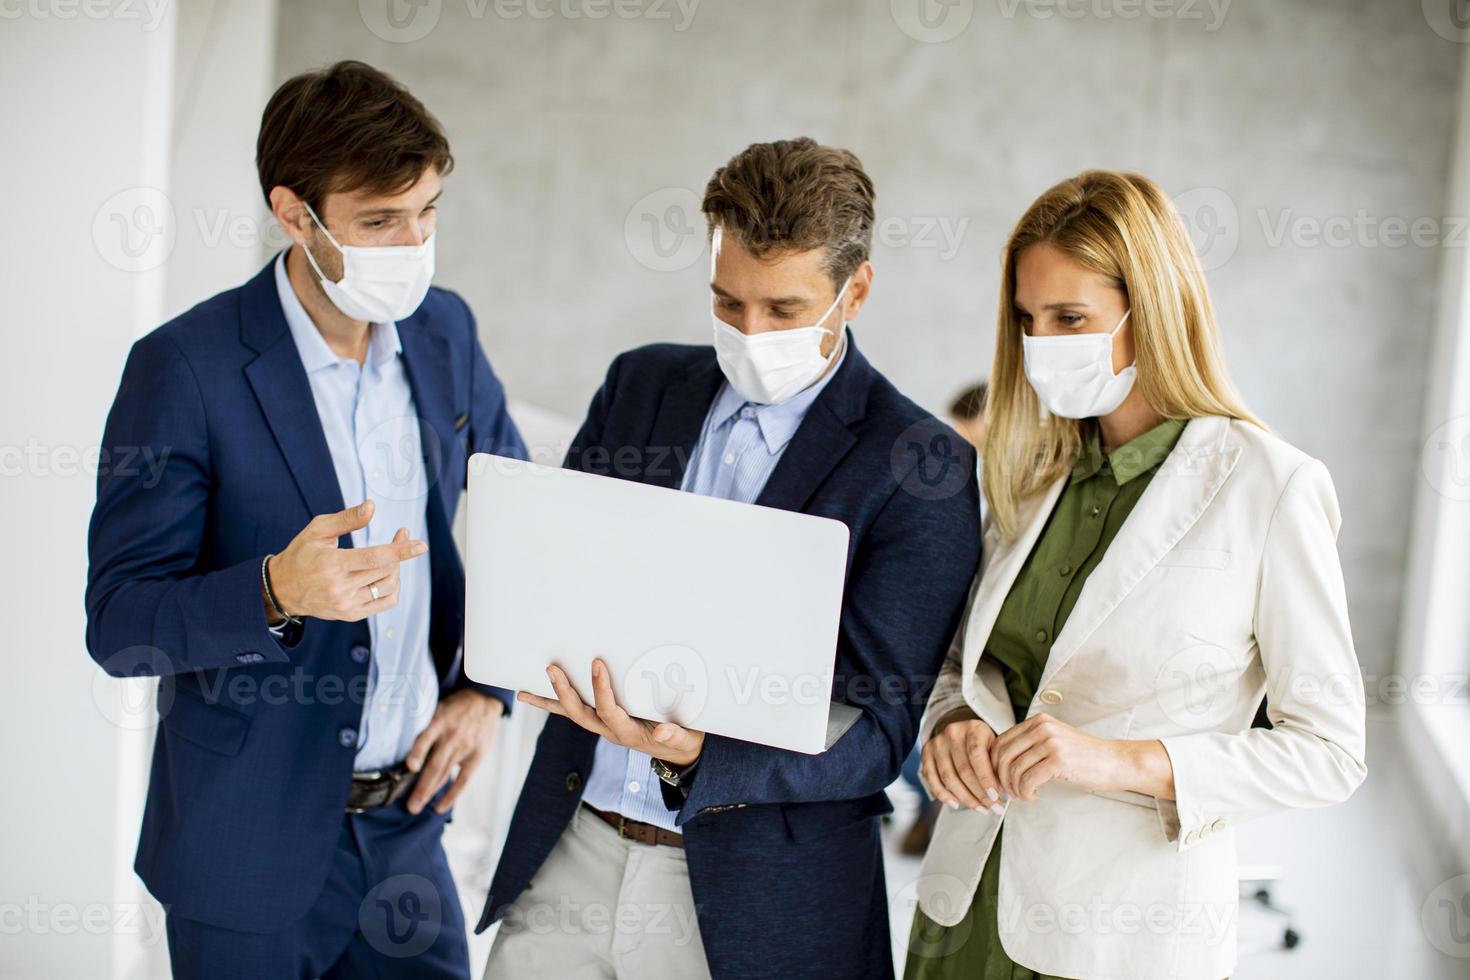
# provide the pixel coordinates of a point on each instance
(768, 368)
(1073, 373)
(382, 284)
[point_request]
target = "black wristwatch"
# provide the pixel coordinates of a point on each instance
(677, 778)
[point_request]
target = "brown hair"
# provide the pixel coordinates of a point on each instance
(345, 128)
(793, 196)
(970, 403)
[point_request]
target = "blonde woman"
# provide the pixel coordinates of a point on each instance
(1156, 562)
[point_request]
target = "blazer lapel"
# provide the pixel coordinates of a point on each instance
(280, 385)
(681, 415)
(1186, 482)
(426, 361)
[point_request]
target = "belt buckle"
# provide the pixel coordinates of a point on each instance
(623, 829)
(372, 776)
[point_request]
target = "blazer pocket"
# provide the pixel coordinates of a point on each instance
(807, 821)
(1196, 558)
(209, 726)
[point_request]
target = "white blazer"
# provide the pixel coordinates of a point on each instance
(1222, 585)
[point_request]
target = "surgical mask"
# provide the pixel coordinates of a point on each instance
(1073, 373)
(769, 368)
(381, 284)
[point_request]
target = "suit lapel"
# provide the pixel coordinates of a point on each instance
(280, 385)
(817, 447)
(426, 361)
(676, 429)
(1188, 479)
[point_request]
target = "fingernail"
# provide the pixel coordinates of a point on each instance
(420, 548)
(992, 794)
(952, 804)
(597, 668)
(995, 808)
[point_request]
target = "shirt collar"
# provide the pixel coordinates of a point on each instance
(383, 341)
(1137, 456)
(778, 423)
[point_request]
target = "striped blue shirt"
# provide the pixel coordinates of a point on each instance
(738, 449)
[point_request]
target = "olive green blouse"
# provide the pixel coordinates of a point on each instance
(1097, 500)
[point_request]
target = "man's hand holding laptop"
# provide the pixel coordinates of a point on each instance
(678, 746)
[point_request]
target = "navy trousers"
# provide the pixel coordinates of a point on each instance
(388, 909)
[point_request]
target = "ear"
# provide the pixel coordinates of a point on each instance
(290, 211)
(858, 291)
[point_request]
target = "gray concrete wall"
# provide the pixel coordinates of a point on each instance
(1304, 138)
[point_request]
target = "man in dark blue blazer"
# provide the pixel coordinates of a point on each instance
(313, 710)
(628, 833)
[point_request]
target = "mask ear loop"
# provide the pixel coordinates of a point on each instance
(311, 258)
(823, 319)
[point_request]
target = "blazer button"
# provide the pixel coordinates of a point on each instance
(359, 653)
(347, 737)
(1051, 696)
(1218, 825)
(1191, 837)
(574, 781)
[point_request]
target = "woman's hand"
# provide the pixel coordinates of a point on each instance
(955, 763)
(1041, 749)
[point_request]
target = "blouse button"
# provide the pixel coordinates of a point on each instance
(1065, 570)
(1041, 636)
(1096, 510)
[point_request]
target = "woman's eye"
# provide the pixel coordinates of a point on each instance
(1070, 319)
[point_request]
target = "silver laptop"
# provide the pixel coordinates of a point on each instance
(716, 615)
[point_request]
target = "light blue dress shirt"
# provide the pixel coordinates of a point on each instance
(738, 449)
(372, 428)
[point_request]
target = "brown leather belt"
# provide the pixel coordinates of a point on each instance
(637, 830)
(371, 790)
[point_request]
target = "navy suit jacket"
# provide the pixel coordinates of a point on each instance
(255, 748)
(783, 849)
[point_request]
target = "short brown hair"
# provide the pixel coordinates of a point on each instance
(792, 196)
(345, 128)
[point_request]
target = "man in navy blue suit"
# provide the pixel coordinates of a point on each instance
(315, 723)
(653, 851)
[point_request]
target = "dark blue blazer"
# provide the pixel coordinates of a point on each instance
(783, 848)
(254, 753)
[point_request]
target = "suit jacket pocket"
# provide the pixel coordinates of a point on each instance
(806, 821)
(209, 726)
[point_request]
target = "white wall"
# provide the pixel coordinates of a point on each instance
(106, 183)
(79, 284)
(574, 132)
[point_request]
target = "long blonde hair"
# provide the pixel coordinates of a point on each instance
(1122, 226)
